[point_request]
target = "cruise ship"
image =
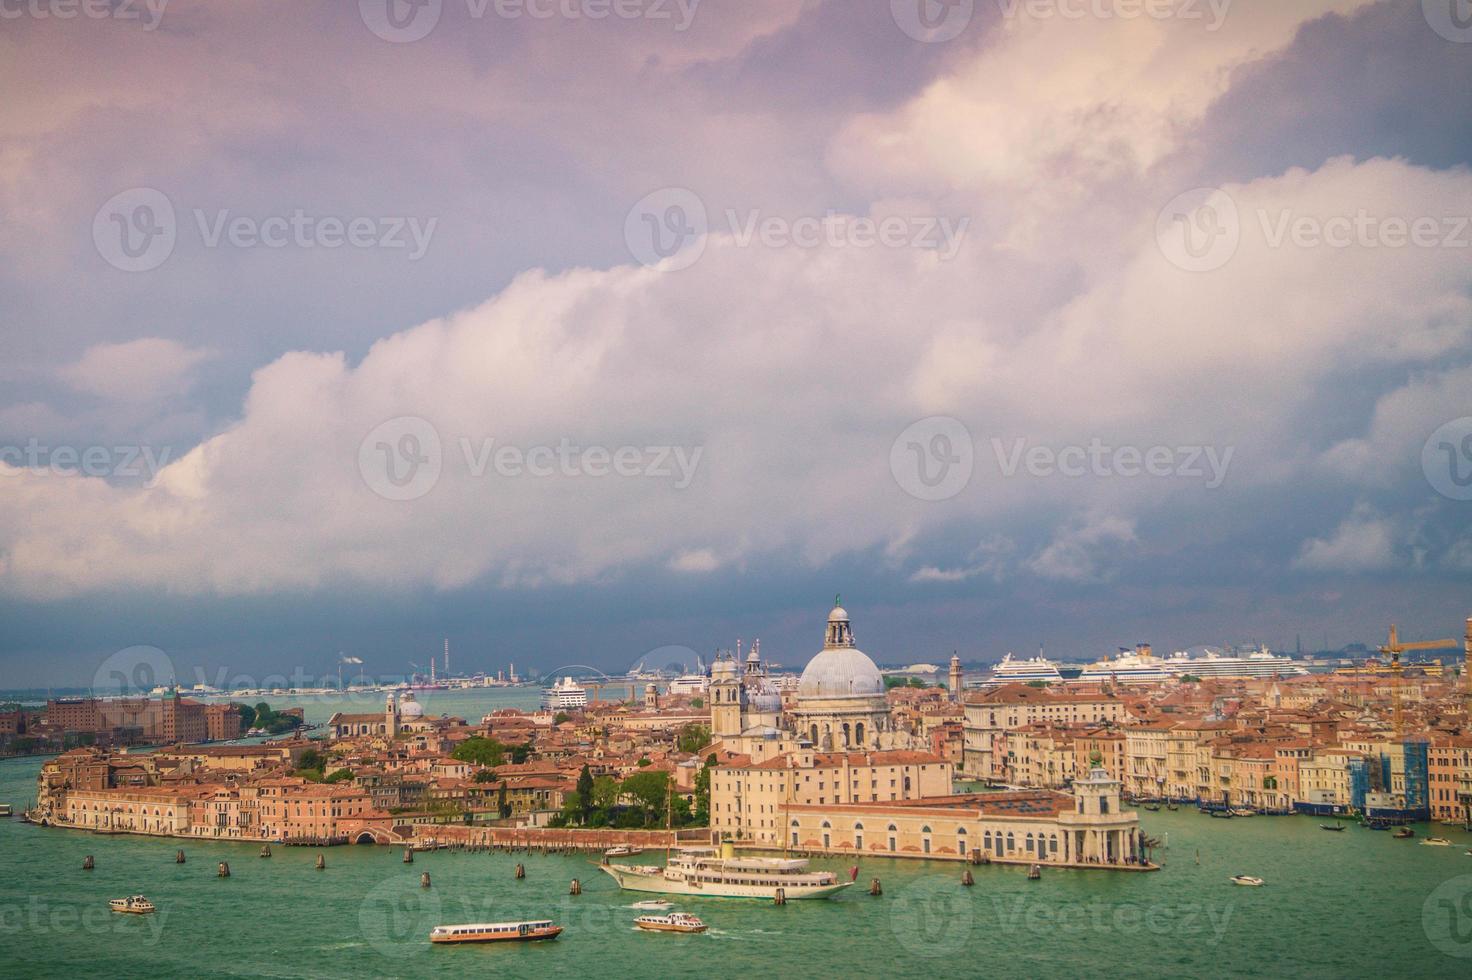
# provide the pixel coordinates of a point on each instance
(716, 873)
(566, 693)
(1137, 666)
(1256, 662)
(1014, 670)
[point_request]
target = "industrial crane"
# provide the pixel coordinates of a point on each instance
(1394, 647)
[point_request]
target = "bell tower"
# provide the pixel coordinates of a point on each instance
(727, 698)
(955, 678)
(391, 717)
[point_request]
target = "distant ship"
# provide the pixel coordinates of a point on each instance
(566, 693)
(1257, 662)
(1138, 666)
(1013, 670)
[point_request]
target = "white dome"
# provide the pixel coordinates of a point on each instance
(838, 613)
(840, 672)
(409, 708)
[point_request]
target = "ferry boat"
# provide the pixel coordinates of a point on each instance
(5, 810)
(1257, 662)
(1139, 666)
(133, 905)
(496, 932)
(719, 874)
(674, 922)
(1014, 670)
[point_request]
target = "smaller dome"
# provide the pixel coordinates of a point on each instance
(409, 708)
(838, 615)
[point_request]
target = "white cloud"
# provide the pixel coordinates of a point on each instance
(143, 370)
(1363, 542)
(1084, 551)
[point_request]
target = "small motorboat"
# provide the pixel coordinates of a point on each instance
(1336, 828)
(623, 850)
(652, 905)
(1403, 833)
(133, 905)
(5, 810)
(1247, 880)
(496, 932)
(674, 922)
(1436, 842)
(1034, 873)
(1243, 812)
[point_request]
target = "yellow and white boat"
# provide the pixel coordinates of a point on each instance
(133, 905)
(674, 922)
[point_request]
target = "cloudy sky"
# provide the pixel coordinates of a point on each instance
(572, 329)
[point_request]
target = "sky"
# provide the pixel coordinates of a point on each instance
(571, 330)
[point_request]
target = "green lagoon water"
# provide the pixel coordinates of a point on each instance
(1335, 905)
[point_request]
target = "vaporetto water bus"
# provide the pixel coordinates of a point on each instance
(719, 874)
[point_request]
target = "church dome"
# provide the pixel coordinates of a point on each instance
(409, 708)
(840, 672)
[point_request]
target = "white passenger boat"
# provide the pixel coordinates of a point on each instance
(1436, 842)
(496, 932)
(674, 922)
(719, 874)
(133, 905)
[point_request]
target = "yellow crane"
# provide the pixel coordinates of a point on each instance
(1394, 647)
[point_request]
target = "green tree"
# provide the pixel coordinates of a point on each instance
(561, 717)
(484, 776)
(692, 738)
(701, 816)
(650, 791)
(585, 794)
(341, 776)
(310, 759)
(481, 751)
(503, 806)
(247, 715)
(605, 793)
(697, 702)
(520, 753)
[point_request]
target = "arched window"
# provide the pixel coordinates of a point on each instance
(892, 840)
(859, 733)
(1027, 844)
(827, 825)
(815, 734)
(986, 840)
(961, 840)
(1011, 842)
(846, 735)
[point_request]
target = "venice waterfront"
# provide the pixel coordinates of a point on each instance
(1335, 905)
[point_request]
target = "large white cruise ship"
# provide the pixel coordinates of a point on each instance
(1257, 662)
(566, 693)
(718, 874)
(1014, 670)
(1138, 666)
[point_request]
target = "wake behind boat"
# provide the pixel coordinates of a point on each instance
(719, 874)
